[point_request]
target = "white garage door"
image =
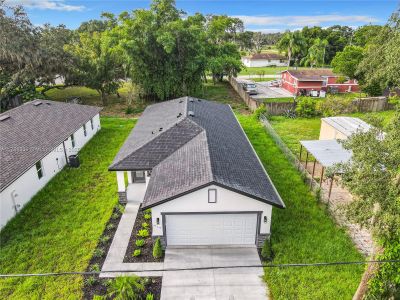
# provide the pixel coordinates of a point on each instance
(211, 229)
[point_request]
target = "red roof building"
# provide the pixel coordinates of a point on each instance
(304, 82)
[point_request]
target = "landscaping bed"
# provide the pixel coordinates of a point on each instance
(146, 251)
(93, 285)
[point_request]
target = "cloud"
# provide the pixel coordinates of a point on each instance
(300, 21)
(46, 5)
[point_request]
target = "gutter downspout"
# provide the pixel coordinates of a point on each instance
(65, 153)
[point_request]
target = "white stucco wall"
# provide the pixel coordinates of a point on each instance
(197, 201)
(251, 63)
(28, 184)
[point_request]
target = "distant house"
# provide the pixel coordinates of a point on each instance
(190, 161)
(312, 82)
(264, 60)
(36, 141)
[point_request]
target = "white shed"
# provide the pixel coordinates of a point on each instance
(340, 128)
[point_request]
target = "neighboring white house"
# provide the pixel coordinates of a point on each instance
(36, 140)
(264, 60)
(340, 128)
(190, 162)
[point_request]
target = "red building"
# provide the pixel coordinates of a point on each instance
(304, 82)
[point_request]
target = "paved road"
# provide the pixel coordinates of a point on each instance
(213, 284)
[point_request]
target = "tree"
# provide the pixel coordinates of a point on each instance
(316, 54)
(381, 60)
(125, 288)
(245, 40)
(98, 63)
(291, 43)
(30, 56)
(258, 41)
(223, 29)
(373, 177)
(347, 61)
(165, 52)
(365, 35)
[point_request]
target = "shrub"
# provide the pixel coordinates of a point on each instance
(143, 233)
(139, 243)
(147, 216)
(261, 110)
(145, 225)
(115, 216)
(90, 281)
(98, 297)
(148, 211)
(129, 110)
(104, 239)
(149, 296)
(334, 106)
(95, 268)
(99, 252)
(306, 107)
(157, 249)
(137, 252)
(341, 79)
(120, 208)
(125, 287)
(110, 226)
(266, 251)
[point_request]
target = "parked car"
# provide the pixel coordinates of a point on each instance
(250, 88)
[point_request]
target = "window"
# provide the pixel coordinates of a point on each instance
(72, 140)
(212, 196)
(91, 124)
(39, 169)
(84, 130)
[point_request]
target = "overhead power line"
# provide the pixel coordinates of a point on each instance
(321, 264)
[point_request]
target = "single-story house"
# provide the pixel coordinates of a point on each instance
(36, 141)
(190, 161)
(313, 82)
(341, 128)
(264, 60)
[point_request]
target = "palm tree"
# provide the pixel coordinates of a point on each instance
(316, 54)
(291, 44)
(125, 288)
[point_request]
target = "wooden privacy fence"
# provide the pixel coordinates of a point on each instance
(370, 104)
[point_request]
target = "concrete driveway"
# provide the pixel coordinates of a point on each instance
(227, 283)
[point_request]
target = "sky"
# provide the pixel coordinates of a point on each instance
(265, 16)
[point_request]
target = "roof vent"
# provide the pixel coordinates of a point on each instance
(199, 100)
(37, 103)
(160, 129)
(4, 117)
(48, 103)
(191, 113)
(191, 100)
(180, 101)
(179, 115)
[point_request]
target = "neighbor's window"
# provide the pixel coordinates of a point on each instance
(73, 140)
(84, 130)
(39, 169)
(91, 124)
(212, 196)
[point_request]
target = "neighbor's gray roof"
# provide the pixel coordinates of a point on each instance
(347, 125)
(191, 152)
(31, 132)
(327, 152)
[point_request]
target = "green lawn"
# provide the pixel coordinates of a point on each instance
(59, 228)
(266, 70)
(302, 233)
(292, 131)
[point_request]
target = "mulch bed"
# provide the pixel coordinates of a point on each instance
(147, 249)
(99, 286)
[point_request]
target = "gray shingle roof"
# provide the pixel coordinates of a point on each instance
(195, 151)
(33, 131)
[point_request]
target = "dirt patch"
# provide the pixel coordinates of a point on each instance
(93, 284)
(147, 249)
